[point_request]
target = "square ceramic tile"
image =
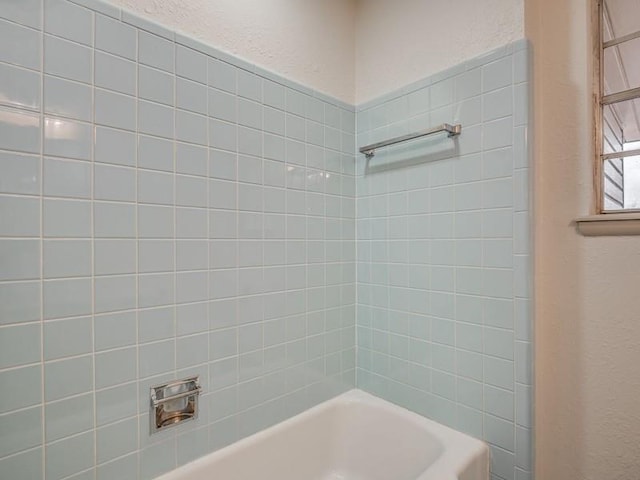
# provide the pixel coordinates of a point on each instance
(19, 45)
(114, 220)
(19, 345)
(66, 138)
(249, 85)
(116, 403)
(273, 94)
(155, 221)
(27, 13)
(115, 293)
(67, 178)
(66, 258)
(66, 218)
(115, 73)
(155, 119)
(156, 256)
(28, 464)
(157, 459)
(191, 64)
(116, 440)
(155, 85)
(497, 104)
(192, 350)
(21, 216)
(114, 183)
(191, 191)
(19, 259)
(114, 330)
(59, 424)
(67, 59)
(115, 110)
(67, 20)
(191, 96)
(156, 324)
(223, 135)
(113, 257)
(497, 74)
(21, 174)
(156, 289)
(156, 358)
(192, 222)
(192, 318)
(223, 165)
(222, 105)
(221, 75)
(24, 305)
(67, 98)
(115, 367)
(191, 159)
(64, 378)
(64, 298)
(249, 141)
(21, 87)
(20, 130)
(20, 431)
(155, 51)
(250, 113)
(191, 287)
(155, 153)
(115, 37)
(28, 384)
(69, 456)
(191, 127)
(114, 146)
(192, 255)
(155, 187)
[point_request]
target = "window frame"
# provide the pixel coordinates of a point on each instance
(597, 55)
(601, 222)
(598, 49)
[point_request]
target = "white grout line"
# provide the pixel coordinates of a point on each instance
(41, 282)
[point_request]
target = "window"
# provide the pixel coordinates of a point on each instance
(618, 92)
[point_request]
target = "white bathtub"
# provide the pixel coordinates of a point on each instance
(354, 436)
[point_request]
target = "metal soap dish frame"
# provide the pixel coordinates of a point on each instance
(174, 403)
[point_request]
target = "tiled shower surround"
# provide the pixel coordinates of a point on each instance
(165, 213)
(443, 314)
(170, 210)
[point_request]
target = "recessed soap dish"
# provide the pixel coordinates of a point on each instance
(174, 403)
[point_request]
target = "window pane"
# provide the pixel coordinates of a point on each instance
(621, 125)
(622, 66)
(622, 182)
(613, 184)
(620, 18)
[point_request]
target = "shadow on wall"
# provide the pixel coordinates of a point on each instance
(411, 153)
(559, 318)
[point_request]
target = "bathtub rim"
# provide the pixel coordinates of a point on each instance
(459, 449)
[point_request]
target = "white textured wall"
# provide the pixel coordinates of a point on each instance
(398, 42)
(309, 41)
(587, 321)
(354, 50)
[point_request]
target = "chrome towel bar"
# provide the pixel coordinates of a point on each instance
(452, 130)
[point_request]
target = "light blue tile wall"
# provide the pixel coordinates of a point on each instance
(167, 210)
(444, 254)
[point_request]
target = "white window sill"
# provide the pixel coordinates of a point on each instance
(614, 224)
